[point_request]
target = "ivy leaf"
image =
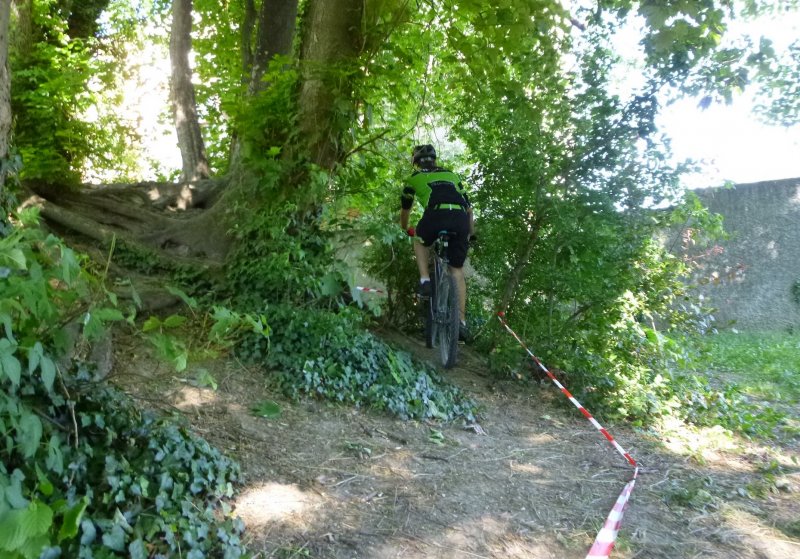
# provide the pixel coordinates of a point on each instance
(180, 361)
(48, 373)
(72, 520)
(30, 434)
(137, 550)
(435, 436)
(34, 357)
(205, 379)
(115, 539)
(55, 458)
(89, 532)
(92, 326)
(5, 319)
(9, 364)
(329, 285)
(13, 491)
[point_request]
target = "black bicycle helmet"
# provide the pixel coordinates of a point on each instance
(424, 153)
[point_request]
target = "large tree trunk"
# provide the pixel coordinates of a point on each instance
(5, 97)
(276, 24)
(246, 31)
(190, 141)
(276, 21)
(21, 32)
(332, 41)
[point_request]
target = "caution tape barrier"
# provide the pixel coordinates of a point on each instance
(370, 290)
(604, 542)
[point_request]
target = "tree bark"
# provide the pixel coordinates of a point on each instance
(82, 16)
(332, 38)
(276, 24)
(276, 21)
(5, 97)
(190, 140)
(21, 33)
(519, 268)
(248, 24)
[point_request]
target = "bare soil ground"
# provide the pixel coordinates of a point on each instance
(332, 482)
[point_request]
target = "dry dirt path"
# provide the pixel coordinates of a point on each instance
(332, 482)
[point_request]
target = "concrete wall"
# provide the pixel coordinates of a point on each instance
(752, 280)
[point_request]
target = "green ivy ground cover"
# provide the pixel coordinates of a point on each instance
(83, 473)
(330, 355)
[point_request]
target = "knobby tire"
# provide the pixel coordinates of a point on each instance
(447, 319)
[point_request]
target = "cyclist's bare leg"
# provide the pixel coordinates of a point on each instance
(422, 253)
(461, 285)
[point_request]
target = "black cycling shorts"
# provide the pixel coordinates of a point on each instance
(455, 221)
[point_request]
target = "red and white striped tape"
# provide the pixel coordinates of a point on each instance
(370, 290)
(604, 542)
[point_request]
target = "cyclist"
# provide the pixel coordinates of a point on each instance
(446, 207)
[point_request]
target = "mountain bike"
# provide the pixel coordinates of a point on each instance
(442, 318)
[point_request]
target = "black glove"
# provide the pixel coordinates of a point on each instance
(473, 240)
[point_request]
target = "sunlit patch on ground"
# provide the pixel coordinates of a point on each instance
(704, 442)
(754, 534)
(527, 468)
(191, 397)
(274, 502)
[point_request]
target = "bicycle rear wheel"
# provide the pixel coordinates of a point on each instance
(447, 318)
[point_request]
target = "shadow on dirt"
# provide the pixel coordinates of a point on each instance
(332, 482)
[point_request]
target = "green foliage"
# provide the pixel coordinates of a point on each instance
(563, 173)
(390, 259)
(331, 356)
(764, 364)
(282, 254)
(567, 245)
(83, 473)
(744, 382)
(134, 257)
(695, 493)
(779, 89)
(58, 78)
(705, 404)
(176, 338)
(169, 347)
(267, 409)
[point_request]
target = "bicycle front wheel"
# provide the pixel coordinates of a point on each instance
(447, 319)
